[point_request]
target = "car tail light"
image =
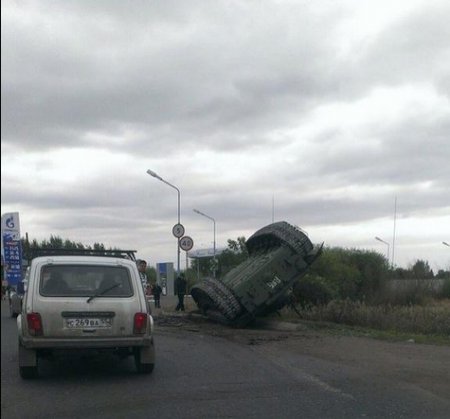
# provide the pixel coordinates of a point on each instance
(34, 324)
(140, 323)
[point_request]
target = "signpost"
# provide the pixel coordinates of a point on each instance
(12, 248)
(186, 243)
(178, 230)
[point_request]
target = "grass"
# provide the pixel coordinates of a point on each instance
(389, 335)
(429, 323)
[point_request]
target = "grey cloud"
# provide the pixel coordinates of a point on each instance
(412, 49)
(168, 79)
(414, 149)
(197, 83)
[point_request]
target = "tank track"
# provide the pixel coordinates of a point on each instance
(279, 234)
(219, 296)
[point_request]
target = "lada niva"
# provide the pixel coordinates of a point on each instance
(84, 303)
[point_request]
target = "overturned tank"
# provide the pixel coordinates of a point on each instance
(279, 254)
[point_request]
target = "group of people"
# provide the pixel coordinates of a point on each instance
(156, 290)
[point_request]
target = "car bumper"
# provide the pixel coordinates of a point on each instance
(100, 343)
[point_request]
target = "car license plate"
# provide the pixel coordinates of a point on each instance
(88, 323)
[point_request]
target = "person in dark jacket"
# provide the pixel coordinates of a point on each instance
(180, 290)
(156, 291)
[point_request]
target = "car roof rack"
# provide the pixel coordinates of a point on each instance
(117, 253)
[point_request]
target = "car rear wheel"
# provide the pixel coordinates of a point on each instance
(28, 372)
(144, 368)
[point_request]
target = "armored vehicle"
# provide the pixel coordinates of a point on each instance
(279, 254)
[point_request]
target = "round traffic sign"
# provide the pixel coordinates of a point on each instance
(186, 243)
(178, 230)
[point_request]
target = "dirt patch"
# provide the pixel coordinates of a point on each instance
(425, 366)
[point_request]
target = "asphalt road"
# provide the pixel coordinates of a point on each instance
(204, 375)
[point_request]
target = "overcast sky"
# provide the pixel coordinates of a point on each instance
(319, 113)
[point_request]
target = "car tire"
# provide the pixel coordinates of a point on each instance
(28, 372)
(145, 368)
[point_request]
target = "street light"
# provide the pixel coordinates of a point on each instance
(214, 248)
(152, 173)
(382, 241)
(446, 244)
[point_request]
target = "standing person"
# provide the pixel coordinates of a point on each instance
(180, 289)
(157, 291)
(8, 292)
(142, 266)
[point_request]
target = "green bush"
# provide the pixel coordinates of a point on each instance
(312, 290)
(352, 273)
(413, 293)
(433, 318)
(445, 293)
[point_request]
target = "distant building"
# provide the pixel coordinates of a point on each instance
(205, 253)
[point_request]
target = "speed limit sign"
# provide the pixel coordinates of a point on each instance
(186, 243)
(178, 230)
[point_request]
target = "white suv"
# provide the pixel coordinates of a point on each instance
(84, 302)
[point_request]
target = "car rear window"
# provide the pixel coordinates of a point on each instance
(85, 281)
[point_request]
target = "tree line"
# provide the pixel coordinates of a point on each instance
(337, 273)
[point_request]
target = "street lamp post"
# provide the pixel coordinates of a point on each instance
(152, 173)
(214, 243)
(386, 243)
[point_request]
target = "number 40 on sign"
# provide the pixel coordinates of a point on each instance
(186, 243)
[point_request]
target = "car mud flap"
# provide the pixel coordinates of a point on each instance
(148, 354)
(27, 357)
